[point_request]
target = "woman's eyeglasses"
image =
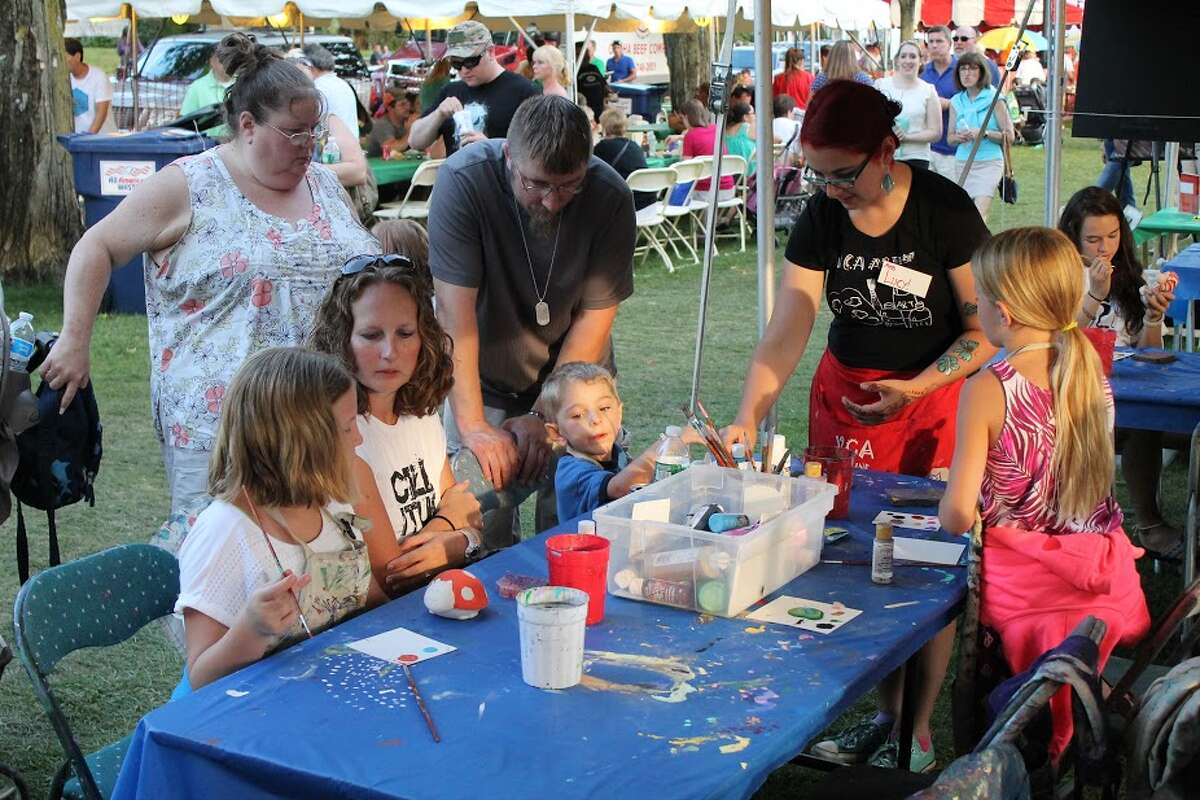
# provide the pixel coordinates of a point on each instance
(302, 138)
(820, 181)
(356, 264)
(466, 63)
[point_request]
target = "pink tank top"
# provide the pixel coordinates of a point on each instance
(1018, 488)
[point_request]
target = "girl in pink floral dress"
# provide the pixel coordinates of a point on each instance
(1034, 451)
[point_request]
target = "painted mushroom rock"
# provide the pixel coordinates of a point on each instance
(455, 594)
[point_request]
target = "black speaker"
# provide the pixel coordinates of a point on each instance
(1138, 71)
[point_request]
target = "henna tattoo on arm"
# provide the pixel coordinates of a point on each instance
(970, 310)
(959, 353)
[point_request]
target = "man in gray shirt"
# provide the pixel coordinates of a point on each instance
(531, 246)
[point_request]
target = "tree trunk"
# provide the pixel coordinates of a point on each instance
(689, 58)
(908, 18)
(39, 213)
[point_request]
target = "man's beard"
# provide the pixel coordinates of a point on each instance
(543, 223)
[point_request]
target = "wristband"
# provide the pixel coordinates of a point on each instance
(1097, 299)
(444, 519)
(1151, 319)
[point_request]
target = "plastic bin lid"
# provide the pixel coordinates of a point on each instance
(170, 141)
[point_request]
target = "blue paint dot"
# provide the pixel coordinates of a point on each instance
(429, 649)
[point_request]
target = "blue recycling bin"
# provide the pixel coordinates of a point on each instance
(108, 167)
(645, 98)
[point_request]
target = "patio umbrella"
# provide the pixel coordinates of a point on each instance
(1001, 39)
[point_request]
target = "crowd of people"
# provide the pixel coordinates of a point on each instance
(309, 376)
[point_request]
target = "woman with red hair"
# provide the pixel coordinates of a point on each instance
(890, 246)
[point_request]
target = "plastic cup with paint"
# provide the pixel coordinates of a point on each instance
(580, 561)
(838, 465)
(552, 623)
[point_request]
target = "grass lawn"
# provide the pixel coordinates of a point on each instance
(105, 692)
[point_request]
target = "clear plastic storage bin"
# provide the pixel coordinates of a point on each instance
(715, 573)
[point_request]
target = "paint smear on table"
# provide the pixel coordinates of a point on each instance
(756, 629)
(667, 680)
(235, 693)
(739, 744)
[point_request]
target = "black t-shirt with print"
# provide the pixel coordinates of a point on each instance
(500, 97)
(875, 326)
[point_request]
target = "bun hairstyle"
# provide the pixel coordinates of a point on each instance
(264, 81)
(1035, 272)
(848, 115)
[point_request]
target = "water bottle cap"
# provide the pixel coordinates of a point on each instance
(24, 315)
(674, 430)
(739, 450)
(587, 526)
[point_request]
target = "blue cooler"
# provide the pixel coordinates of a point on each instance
(645, 99)
(108, 167)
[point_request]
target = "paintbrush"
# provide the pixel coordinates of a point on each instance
(715, 434)
(713, 444)
(416, 693)
(787, 454)
(278, 563)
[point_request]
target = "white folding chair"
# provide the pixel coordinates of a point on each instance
(408, 208)
(686, 174)
(735, 167)
(650, 220)
(699, 167)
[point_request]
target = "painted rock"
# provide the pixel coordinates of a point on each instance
(455, 594)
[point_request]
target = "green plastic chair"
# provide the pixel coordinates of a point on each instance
(96, 601)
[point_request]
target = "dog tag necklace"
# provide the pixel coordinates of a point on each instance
(541, 309)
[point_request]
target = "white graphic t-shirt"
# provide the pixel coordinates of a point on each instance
(407, 460)
(85, 93)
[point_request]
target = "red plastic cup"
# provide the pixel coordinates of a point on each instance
(580, 560)
(837, 463)
(1105, 342)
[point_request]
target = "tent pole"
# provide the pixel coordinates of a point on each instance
(765, 155)
(429, 40)
(724, 58)
(570, 41)
(301, 19)
(583, 50)
(523, 34)
(1054, 123)
(134, 47)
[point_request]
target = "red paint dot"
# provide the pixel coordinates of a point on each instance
(408, 658)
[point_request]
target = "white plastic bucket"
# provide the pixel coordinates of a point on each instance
(552, 623)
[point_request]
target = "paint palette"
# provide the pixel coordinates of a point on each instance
(809, 615)
(401, 646)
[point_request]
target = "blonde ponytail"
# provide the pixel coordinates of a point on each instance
(1035, 273)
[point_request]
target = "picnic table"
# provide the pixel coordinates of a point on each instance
(1166, 398)
(674, 704)
(658, 162)
(395, 170)
(1164, 222)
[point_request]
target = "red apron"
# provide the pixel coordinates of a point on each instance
(917, 441)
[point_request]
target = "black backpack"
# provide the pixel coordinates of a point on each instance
(59, 458)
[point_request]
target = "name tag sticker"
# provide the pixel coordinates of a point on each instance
(904, 279)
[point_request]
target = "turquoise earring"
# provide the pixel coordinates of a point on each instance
(888, 184)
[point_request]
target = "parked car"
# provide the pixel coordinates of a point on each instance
(416, 47)
(168, 66)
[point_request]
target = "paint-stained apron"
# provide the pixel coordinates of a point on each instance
(917, 441)
(339, 580)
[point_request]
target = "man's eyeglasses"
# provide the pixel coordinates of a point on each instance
(466, 63)
(961, 38)
(356, 264)
(302, 138)
(820, 181)
(543, 190)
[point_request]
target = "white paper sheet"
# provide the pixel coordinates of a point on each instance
(926, 551)
(402, 646)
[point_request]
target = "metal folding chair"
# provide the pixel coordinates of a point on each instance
(650, 220)
(408, 208)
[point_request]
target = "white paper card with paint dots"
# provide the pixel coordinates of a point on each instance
(809, 615)
(401, 646)
(900, 519)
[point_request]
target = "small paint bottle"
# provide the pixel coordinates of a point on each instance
(670, 593)
(812, 469)
(587, 526)
(740, 458)
(881, 554)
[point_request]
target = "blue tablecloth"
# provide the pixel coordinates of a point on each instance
(1186, 264)
(674, 705)
(1158, 397)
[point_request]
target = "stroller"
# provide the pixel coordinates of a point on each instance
(791, 195)
(1031, 99)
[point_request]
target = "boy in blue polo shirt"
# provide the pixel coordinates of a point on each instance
(583, 412)
(620, 66)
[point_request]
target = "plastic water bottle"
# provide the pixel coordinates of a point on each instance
(740, 458)
(331, 153)
(672, 455)
(23, 337)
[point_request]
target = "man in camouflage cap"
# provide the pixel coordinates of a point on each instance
(481, 103)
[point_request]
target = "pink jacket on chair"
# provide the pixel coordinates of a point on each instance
(1037, 587)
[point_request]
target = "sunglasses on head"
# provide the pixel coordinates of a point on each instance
(466, 63)
(356, 264)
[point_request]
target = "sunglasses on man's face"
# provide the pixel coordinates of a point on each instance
(466, 63)
(356, 264)
(961, 38)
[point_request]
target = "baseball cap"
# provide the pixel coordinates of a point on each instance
(467, 39)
